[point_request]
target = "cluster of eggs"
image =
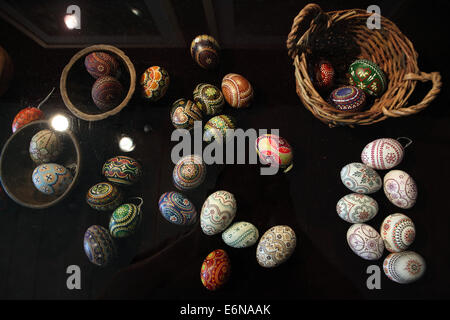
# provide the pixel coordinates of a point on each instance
(49, 177)
(107, 92)
(397, 231)
(99, 245)
(365, 78)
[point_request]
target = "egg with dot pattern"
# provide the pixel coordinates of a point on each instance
(107, 93)
(45, 146)
(154, 83)
(189, 172)
(104, 196)
(360, 178)
(51, 178)
(125, 220)
(237, 90)
(398, 232)
(217, 128)
(367, 76)
(357, 208)
(177, 209)
(276, 246)
(26, 116)
(404, 267)
(100, 64)
(99, 247)
(209, 98)
(240, 235)
(184, 113)
(216, 270)
(205, 50)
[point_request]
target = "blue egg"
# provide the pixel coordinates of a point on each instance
(99, 246)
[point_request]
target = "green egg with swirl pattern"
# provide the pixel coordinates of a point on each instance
(125, 220)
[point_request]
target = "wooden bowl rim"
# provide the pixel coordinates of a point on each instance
(74, 140)
(80, 54)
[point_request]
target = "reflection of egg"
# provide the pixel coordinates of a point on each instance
(365, 241)
(99, 246)
(45, 146)
(51, 178)
(218, 212)
(216, 270)
(276, 246)
(404, 267)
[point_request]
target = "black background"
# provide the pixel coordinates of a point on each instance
(163, 261)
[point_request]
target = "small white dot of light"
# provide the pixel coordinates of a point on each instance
(60, 123)
(135, 11)
(71, 21)
(126, 144)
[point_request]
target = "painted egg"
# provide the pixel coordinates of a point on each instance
(189, 172)
(240, 235)
(125, 220)
(404, 267)
(100, 64)
(25, 116)
(216, 270)
(51, 178)
(398, 232)
(107, 93)
(155, 82)
(274, 150)
(104, 196)
(357, 208)
(184, 113)
(209, 99)
(360, 178)
(99, 246)
(368, 77)
(205, 50)
(237, 91)
(400, 189)
(382, 154)
(276, 246)
(216, 128)
(45, 146)
(365, 241)
(324, 74)
(122, 170)
(218, 212)
(348, 98)
(177, 209)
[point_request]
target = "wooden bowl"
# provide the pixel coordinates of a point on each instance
(16, 166)
(76, 84)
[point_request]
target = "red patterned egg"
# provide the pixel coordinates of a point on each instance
(216, 270)
(365, 241)
(398, 232)
(404, 267)
(107, 93)
(400, 189)
(122, 170)
(154, 82)
(324, 74)
(382, 154)
(100, 64)
(25, 116)
(237, 90)
(274, 150)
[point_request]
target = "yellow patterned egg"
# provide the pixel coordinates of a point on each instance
(45, 146)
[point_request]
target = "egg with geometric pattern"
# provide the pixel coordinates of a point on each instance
(189, 172)
(125, 220)
(104, 196)
(45, 146)
(122, 170)
(216, 269)
(177, 209)
(404, 267)
(276, 246)
(398, 232)
(51, 178)
(99, 246)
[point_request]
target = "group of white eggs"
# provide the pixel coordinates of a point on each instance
(397, 231)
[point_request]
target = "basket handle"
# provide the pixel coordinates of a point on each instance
(435, 78)
(299, 34)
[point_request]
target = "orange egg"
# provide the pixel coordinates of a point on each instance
(216, 269)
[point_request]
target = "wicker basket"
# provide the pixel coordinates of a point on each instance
(387, 47)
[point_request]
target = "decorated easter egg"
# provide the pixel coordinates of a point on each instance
(404, 267)
(184, 113)
(368, 77)
(6, 70)
(104, 196)
(400, 188)
(205, 50)
(25, 116)
(216, 128)
(177, 209)
(382, 154)
(100, 64)
(398, 232)
(51, 178)
(99, 246)
(189, 172)
(216, 270)
(209, 99)
(154, 82)
(324, 74)
(276, 246)
(237, 91)
(365, 241)
(122, 170)
(275, 151)
(218, 212)
(45, 146)
(125, 220)
(357, 208)
(348, 98)
(240, 235)
(360, 178)
(107, 93)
